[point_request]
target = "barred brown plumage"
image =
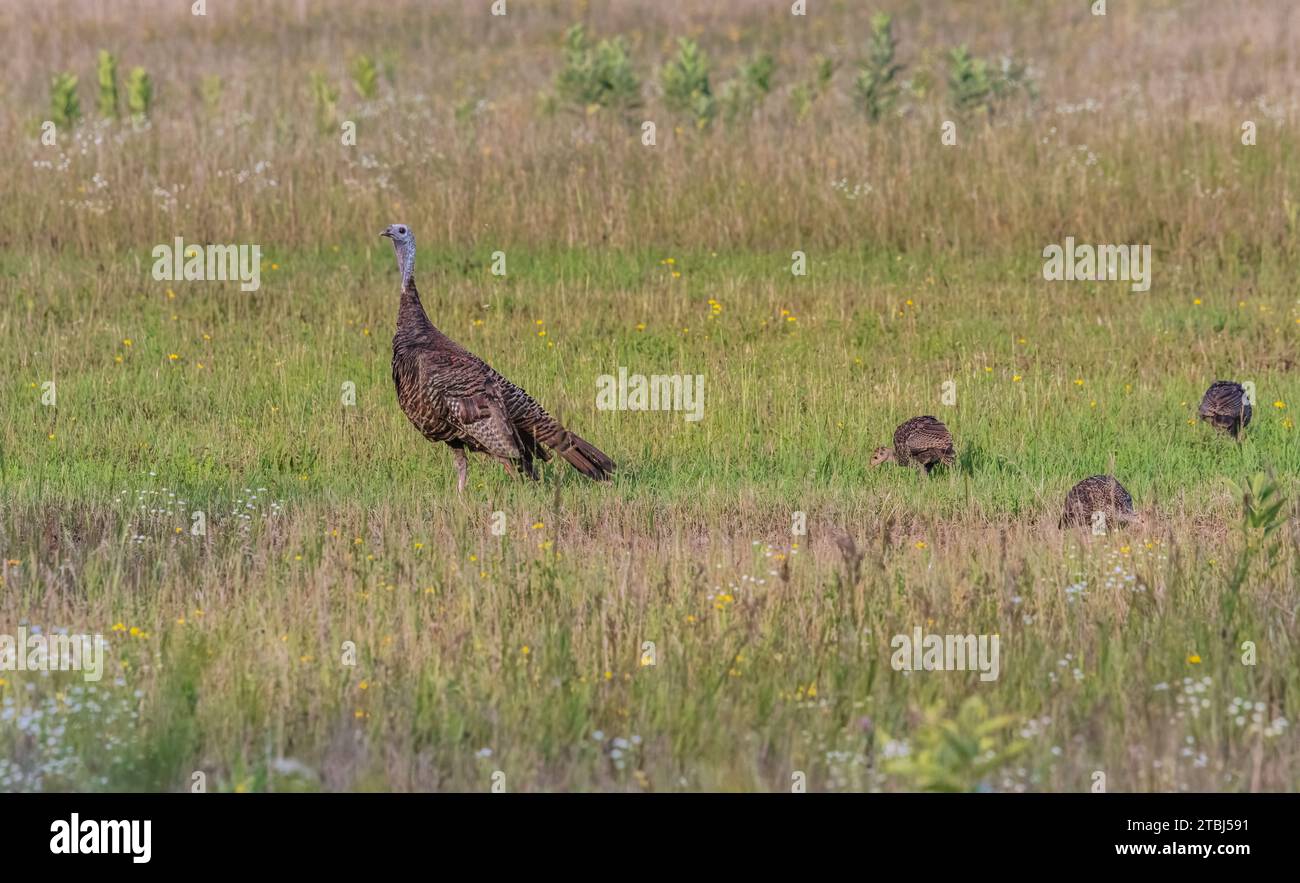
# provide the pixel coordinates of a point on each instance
(1226, 407)
(920, 441)
(1099, 493)
(451, 395)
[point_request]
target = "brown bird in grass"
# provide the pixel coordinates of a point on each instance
(921, 442)
(1226, 407)
(453, 396)
(1100, 493)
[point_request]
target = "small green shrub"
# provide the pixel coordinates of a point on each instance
(975, 86)
(325, 99)
(107, 85)
(211, 89)
(742, 95)
(365, 77)
(139, 93)
(597, 77)
(65, 107)
(969, 87)
(875, 88)
(806, 94)
(685, 81)
(756, 73)
(957, 754)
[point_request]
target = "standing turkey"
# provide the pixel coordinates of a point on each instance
(922, 442)
(1226, 407)
(1100, 493)
(453, 396)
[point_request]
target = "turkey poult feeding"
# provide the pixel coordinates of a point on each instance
(453, 396)
(1100, 493)
(1225, 407)
(921, 442)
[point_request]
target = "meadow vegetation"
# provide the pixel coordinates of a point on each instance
(769, 652)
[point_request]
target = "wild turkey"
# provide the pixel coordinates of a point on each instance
(1225, 407)
(921, 442)
(453, 396)
(1100, 493)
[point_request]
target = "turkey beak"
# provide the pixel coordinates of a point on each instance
(387, 233)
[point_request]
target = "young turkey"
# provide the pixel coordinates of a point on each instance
(451, 395)
(1225, 407)
(921, 442)
(1100, 493)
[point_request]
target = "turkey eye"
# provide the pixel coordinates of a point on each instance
(401, 230)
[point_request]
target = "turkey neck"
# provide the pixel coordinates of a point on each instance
(413, 325)
(412, 320)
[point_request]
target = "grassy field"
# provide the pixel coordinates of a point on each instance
(522, 657)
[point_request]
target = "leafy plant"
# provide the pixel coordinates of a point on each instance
(597, 77)
(65, 107)
(325, 98)
(211, 88)
(756, 73)
(685, 81)
(365, 77)
(1262, 514)
(825, 71)
(139, 93)
(969, 87)
(1261, 504)
(107, 74)
(742, 94)
(957, 754)
(874, 88)
(976, 86)
(805, 94)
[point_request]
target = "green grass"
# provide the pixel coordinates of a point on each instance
(1053, 381)
(337, 531)
(689, 547)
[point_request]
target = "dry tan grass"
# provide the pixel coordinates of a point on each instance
(508, 176)
(773, 650)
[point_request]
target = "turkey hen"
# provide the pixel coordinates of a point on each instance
(451, 395)
(1100, 493)
(1226, 407)
(922, 442)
